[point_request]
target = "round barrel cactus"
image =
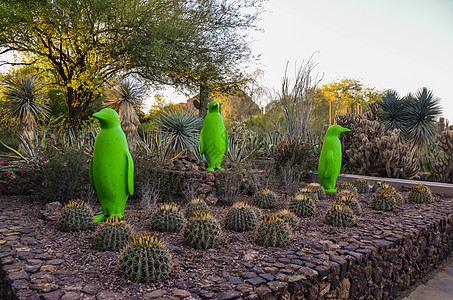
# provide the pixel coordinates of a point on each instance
(265, 198)
(318, 189)
(202, 231)
(349, 200)
(273, 232)
(113, 234)
(340, 215)
(291, 219)
(195, 205)
(348, 186)
(167, 218)
(240, 217)
(420, 193)
(361, 185)
(302, 205)
(76, 215)
(384, 200)
(309, 192)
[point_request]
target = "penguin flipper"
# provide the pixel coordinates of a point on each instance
(201, 141)
(130, 173)
(329, 163)
(91, 175)
(226, 141)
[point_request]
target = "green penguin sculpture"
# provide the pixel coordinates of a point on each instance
(330, 159)
(213, 138)
(111, 167)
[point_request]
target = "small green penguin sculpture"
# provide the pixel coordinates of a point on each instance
(111, 167)
(330, 159)
(213, 138)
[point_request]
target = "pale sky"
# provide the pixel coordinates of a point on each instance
(388, 44)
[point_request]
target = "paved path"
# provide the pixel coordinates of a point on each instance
(439, 287)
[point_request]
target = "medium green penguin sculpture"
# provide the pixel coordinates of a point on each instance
(330, 159)
(111, 167)
(213, 138)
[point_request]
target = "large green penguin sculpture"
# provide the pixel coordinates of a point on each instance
(330, 159)
(111, 167)
(213, 137)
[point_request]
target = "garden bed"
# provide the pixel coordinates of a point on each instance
(377, 259)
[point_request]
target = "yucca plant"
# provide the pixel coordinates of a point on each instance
(392, 113)
(126, 97)
(182, 128)
(24, 98)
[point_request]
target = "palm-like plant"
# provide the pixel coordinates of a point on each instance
(423, 109)
(393, 111)
(182, 126)
(127, 96)
(24, 98)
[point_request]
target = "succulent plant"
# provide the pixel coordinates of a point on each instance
(420, 193)
(76, 215)
(318, 189)
(201, 231)
(348, 186)
(377, 185)
(361, 185)
(384, 200)
(240, 217)
(264, 199)
(309, 192)
(144, 259)
(291, 219)
(340, 215)
(302, 205)
(167, 218)
(347, 193)
(113, 234)
(396, 195)
(349, 200)
(273, 232)
(195, 205)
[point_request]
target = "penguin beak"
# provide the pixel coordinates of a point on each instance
(97, 115)
(346, 130)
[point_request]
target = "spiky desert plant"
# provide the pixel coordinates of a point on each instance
(393, 111)
(420, 193)
(351, 201)
(76, 215)
(302, 205)
(167, 218)
(144, 259)
(113, 234)
(265, 198)
(309, 192)
(273, 232)
(291, 219)
(202, 231)
(348, 186)
(182, 127)
(340, 215)
(347, 193)
(126, 97)
(240, 217)
(195, 205)
(383, 200)
(377, 185)
(398, 199)
(318, 189)
(361, 185)
(24, 99)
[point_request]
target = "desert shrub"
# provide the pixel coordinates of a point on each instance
(233, 182)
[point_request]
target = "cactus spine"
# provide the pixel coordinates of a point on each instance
(349, 200)
(167, 218)
(290, 218)
(309, 192)
(383, 200)
(195, 205)
(302, 205)
(112, 234)
(340, 215)
(264, 199)
(76, 215)
(318, 189)
(240, 217)
(273, 232)
(348, 186)
(144, 259)
(202, 231)
(361, 185)
(420, 193)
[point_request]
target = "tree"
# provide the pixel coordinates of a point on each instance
(126, 97)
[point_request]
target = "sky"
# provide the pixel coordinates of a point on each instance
(387, 44)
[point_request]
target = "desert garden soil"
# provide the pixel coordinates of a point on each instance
(228, 271)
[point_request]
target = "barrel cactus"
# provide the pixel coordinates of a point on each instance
(273, 232)
(202, 231)
(302, 205)
(398, 199)
(76, 215)
(290, 218)
(144, 259)
(167, 218)
(240, 217)
(349, 200)
(361, 185)
(377, 185)
(195, 205)
(348, 186)
(309, 192)
(345, 193)
(112, 234)
(420, 193)
(384, 200)
(265, 198)
(340, 215)
(318, 189)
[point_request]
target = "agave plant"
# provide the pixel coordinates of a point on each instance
(182, 127)
(24, 98)
(393, 111)
(423, 110)
(125, 98)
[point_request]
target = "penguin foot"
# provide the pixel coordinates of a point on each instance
(221, 169)
(99, 218)
(210, 169)
(331, 191)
